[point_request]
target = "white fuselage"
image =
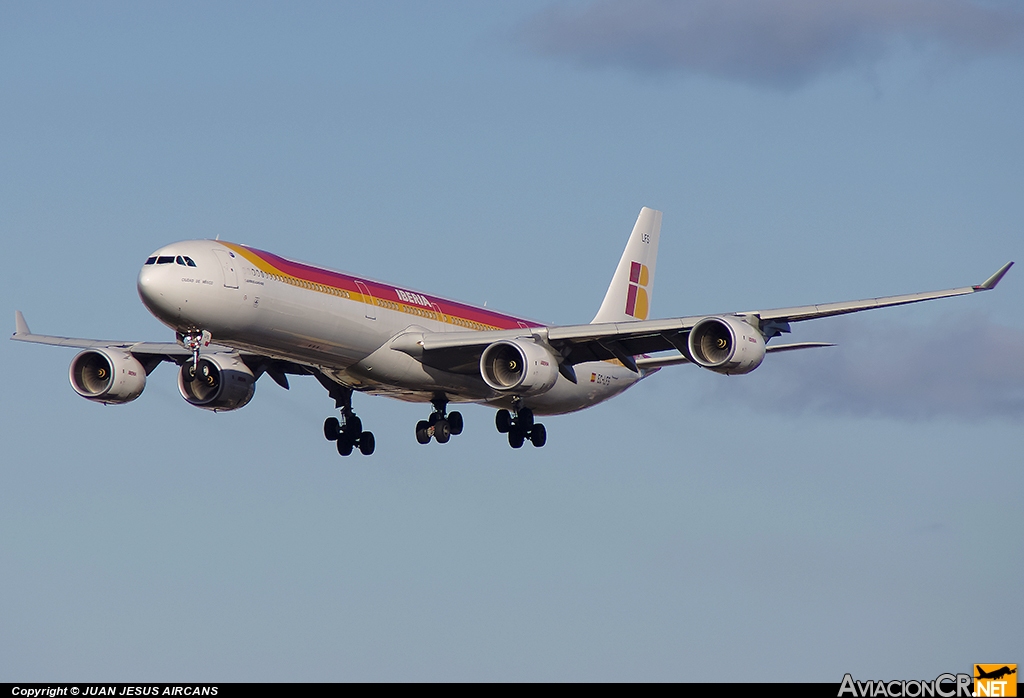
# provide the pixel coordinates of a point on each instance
(257, 302)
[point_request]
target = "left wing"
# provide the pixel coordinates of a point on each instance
(575, 344)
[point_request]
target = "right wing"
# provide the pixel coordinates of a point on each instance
(152, 354)
(147, 352)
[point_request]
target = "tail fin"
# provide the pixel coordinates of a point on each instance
(629, 295)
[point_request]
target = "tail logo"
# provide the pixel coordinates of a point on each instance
(637, 300)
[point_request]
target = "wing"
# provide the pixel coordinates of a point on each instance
(152, 354)
(161, 351)
(459, 351)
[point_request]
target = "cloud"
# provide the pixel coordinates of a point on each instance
(961, 367)
(782, 43)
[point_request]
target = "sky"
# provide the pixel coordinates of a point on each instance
(853, 509)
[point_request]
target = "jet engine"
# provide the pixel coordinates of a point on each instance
(519, 366)
(222, 382)
(110, 377)
(726, 345)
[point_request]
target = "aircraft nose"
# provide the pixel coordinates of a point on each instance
(147, 285)
(153, 289)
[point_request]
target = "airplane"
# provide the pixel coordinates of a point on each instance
(996, 674)
(239, 313)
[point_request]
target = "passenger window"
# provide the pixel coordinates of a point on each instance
(151, 260)
(165, 260)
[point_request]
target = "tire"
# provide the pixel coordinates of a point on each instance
(524, 418)
(503, 420)
(188, 371)
(442, 431)
(455, 423)
(344, 446)
(432, 419)
(331, 428)
(516, 438)
(367, 443)
(539, 435)
(423, 432)
(353, 426)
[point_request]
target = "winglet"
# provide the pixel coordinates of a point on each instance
(991, 282)
(20, 326)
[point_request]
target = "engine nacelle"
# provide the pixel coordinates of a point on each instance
(519, 366)
(223, 382)
(108, 376)
(726, 345)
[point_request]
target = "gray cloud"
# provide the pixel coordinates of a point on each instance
(783, 43)
(963, 367)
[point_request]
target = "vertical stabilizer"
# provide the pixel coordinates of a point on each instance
(629, 295)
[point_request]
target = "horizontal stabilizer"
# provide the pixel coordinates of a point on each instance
(654, 362)
(648, 363)
(797, 345)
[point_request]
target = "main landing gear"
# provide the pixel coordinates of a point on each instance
(520, 427)
(347, 433)
(441, 425)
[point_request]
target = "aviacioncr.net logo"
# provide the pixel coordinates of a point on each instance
(944, 686)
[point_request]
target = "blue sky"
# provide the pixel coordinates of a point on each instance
(853, 509)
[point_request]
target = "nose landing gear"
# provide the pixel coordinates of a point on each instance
(194, 341)
(441, 425)
(520, 427)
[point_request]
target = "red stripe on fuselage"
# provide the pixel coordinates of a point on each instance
(380, 290)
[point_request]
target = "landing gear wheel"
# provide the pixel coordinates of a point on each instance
(367, 443)
(503, 420)
(455, 423)
(344, 446)
(442, 431)
(524, 419)
(516, 438)
(346, 433)
(423, 432)
(539, 435)
(332, 427)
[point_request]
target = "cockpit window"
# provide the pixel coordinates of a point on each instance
(189, 262)
(165, 260)
(180, 260)
(151, 260)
